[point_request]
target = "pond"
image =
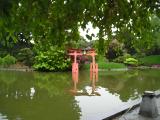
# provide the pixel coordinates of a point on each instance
(55, 96)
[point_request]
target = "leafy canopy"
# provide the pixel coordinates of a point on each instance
(56, 22)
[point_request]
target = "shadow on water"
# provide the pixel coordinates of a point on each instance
(40, 96)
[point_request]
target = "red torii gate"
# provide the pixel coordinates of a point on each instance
(93, 65)
(75, 53)
(78, 52)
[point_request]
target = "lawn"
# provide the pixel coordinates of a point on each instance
(104, 64)
(150, 60)
(108, 65)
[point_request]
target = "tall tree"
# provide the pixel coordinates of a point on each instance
(57, 21)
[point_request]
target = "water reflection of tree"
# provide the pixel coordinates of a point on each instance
(15, 83)
(50, 100)
(130, 84)
(54, 84)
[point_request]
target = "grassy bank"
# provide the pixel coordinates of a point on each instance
(150, 60)
(104, 64)
(109, 65)
(145, 61)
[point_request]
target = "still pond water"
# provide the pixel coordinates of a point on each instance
(55, 96)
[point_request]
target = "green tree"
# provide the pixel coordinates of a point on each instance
(56, 22)
(26, 56)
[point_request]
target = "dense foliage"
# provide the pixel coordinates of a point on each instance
(47, 23)
(122, 58)
(59, 20)
(52, 60)
(131, 61)
(7, 61)
(26, 56)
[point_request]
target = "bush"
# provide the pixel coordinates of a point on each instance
(1, 61)
(131, 61)
(26, 56)
(115, 49)
(121, 59)
(139, 55)
(52, 60)
(8, 60)
(3, 52)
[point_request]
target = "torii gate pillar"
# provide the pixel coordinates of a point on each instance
(75, 53)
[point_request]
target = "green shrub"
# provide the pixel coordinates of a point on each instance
(8, 60)
(114, 50)
(3, 53)
(121, 59)
(127, 56)
(52, 60)
(26, 56)
(131, 61)
(139, 55)
(1, 61)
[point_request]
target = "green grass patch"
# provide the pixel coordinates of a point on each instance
(111, 65)
(104, 64)
(150, 60)
(108, 65)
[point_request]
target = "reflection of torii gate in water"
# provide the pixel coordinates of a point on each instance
(75, 70)
(84, 92)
